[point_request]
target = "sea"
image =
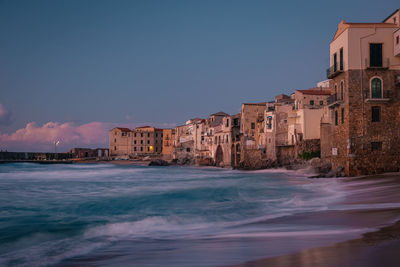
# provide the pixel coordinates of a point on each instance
(124, 215)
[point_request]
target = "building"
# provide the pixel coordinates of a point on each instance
(147, 140)
(252, 137)
(142, 141)
(120, 142)
(360, 127)
(168, 143)
(78, 152)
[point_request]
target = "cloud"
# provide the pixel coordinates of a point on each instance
(5, 116)
(41, 138)
(34, 137)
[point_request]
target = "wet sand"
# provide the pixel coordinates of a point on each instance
(376, 201)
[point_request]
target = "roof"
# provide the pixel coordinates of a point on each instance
(343, 25)
(144, 127)
(220, 114)
(122, 129)
(256, 104)
(391, 14)
(315, 91)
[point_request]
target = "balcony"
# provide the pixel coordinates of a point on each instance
(334, 70)
(384, 99)
(334, 100)
(384, 64)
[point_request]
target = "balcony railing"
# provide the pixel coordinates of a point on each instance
(334, 70)
(334, 100)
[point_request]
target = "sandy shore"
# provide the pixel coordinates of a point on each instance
(376, 201)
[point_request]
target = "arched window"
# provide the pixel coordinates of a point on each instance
(376, 88)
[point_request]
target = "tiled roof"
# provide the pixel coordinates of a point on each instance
(315, 91)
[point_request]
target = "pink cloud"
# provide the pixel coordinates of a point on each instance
(41, 138)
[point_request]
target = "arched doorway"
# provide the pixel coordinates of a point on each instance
(237, 154)
(218, 156)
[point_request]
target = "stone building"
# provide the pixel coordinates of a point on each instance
(120, 142)
(168, 143)
(292, 127)
(141, 141)
(147, 140)
(252, 137)
(361, 125)
(311, 98)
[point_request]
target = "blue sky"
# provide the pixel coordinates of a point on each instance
(133, 62)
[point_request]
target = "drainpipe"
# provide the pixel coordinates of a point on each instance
(361, 77)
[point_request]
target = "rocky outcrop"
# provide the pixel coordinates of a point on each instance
(158, 162)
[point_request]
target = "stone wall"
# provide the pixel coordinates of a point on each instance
(353, 138)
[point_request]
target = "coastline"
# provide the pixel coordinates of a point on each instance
(377, 207)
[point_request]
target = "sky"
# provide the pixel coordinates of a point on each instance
(72, 70)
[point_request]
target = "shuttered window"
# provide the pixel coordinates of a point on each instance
(375, 55)
(341, 58)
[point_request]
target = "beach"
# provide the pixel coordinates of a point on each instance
(377, 204)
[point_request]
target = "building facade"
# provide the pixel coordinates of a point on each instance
(361, 125)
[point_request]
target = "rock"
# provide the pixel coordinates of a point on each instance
(158, 162)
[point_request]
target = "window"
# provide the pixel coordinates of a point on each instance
(148, 149)
(334, 62)
(227, 122)
(227, 138)
(376, 146)
(134, 141)
(376, 114)
(156, 149)
(141, 142)
(341, 90)
(188, 149)
(156, 141)
(148, 142)
(253, 125)
(148, 134)
(375, 55)
(115, 148)
(336, 117)
(397, 39)
(321, 103)
(134, 148)
(269, 122)
(156, 134)
(376, 88)
(312, 102)
(141, 148)
(342, 117)
(135, 134)
(115, 140)
(341, 58)
(141, 134)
